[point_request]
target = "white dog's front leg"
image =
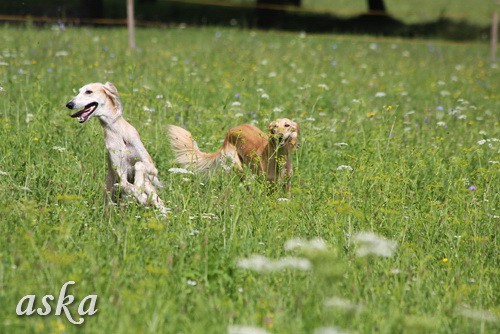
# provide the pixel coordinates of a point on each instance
(110, 196)
(142, 180)
(130, 189)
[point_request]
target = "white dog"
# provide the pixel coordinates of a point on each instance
(131, 170)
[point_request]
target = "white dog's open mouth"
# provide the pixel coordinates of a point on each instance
(84, 114)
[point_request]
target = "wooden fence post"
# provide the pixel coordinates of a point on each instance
(494, 36)
(131, 24)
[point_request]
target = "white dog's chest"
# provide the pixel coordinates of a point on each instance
(123, 158)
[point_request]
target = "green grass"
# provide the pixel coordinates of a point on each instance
(414, 162)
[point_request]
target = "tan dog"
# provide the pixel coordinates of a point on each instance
(130, 167)
(245, 144)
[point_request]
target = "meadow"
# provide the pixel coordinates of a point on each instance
(399, 138)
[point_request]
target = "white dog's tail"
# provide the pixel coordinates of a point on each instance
(187, 152)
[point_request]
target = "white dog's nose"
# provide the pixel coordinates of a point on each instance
(70, 105)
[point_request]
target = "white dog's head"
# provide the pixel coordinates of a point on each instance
(284, 131)
(96, 99)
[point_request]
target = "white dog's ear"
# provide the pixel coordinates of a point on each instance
(112, 93)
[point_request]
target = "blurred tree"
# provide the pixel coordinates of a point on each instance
(376, 6)
(91, 9)
(280, 2)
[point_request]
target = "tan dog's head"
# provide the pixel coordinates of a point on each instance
(96, 99)
(284, 131)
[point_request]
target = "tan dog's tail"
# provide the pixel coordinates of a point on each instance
(187, 152)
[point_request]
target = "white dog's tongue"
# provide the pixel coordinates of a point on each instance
(84, 114)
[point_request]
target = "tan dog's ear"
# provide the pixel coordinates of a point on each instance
(295, 135)
(112, 93)
(271, 126)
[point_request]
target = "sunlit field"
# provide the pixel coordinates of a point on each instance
(391, 227)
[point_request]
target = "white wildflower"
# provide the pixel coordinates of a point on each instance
(482, 132)
(168, 104)
(283, 199)
(209, 216)
(490, 140)
(343, 304)
(238, 115)
(444, 93)
(1, 89)
(239, 329)
(357, 101)
(2, 63)
(159, 97)
(311, 119)
(175, 170)
(191, 282)
(312, 244)
(59, 148)
(380, 94)
(263, 264)
(265, 96)
(146, 108)
(3, 173)
(62, 53)
(370, 243)
(494, 162)
(236, 104)
(272, 75)
(29, 117)
(441, 83)
(329, 330)
(323, 86)
(482, 315)
(345, 167)
(442, 124)
(341, 144)
(194, 232)
(278, 109)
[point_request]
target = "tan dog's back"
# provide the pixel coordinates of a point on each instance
(249, 141)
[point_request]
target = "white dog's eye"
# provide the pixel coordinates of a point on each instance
(88, 92)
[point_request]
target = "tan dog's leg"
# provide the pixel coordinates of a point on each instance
(288, 171)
